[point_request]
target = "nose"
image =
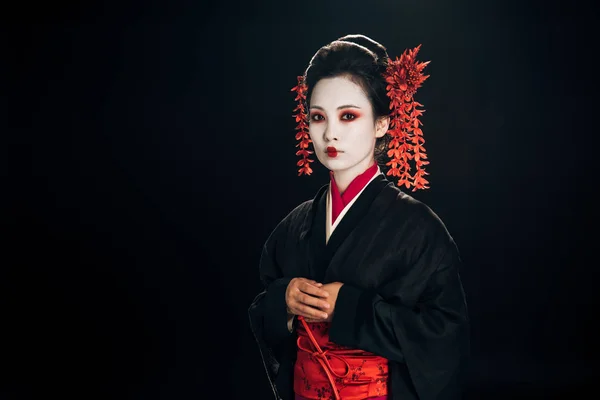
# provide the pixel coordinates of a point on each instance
(331, 133)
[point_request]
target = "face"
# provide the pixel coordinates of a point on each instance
(342, 126)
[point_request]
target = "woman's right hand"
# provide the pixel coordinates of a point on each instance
(305, 297)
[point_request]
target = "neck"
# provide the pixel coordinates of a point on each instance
(345, 177)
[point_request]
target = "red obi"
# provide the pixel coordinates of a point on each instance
(325, 370)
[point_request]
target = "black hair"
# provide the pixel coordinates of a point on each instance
(362, 60)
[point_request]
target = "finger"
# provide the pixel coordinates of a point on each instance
(313, 290)
(309, 300)
(309, 312)
(312, 282)
(310, 319)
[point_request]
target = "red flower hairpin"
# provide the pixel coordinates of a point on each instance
(302, 128)
(404, 76)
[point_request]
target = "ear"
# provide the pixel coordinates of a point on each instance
(381, 126)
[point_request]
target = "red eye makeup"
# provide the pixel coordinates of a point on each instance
(349, 115)
(346, 116)
(316, 117)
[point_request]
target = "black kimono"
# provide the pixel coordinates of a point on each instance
(402, 296)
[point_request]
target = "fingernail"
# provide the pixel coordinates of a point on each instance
(324, 315)
(326, 305)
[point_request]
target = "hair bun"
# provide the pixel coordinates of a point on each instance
(377, 48)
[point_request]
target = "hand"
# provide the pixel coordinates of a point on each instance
(332, 289)
(305, 297)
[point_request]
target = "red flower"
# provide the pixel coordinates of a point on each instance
(404, 76)
(302, 128)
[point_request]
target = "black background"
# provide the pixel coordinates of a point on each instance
(152, 150)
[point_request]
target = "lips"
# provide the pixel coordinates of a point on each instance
(332, 151)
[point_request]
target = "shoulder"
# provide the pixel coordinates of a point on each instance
(421, 233)
(420, 216)
(294, 220)
(300, 215)
(415, 208)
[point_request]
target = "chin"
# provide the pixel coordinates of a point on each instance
(334, 165)
(341, 167)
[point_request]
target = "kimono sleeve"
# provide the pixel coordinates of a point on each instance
(275, 316)
(419, 318)
(269, 306)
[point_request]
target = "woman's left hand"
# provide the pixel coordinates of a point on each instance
(333, 289)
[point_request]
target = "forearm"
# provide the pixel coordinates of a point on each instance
(276, 317)
(363, 320)
(431, 336)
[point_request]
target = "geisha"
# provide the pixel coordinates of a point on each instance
(362, 294)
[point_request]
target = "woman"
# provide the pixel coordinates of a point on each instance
(363, 298)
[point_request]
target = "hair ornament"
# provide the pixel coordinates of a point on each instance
(404, 76)
(302, 128)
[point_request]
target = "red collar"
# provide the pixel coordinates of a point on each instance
(339, 201)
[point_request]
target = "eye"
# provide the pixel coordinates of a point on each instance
(316, 117)
(348, 116)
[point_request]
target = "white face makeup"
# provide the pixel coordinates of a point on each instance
(341, 120)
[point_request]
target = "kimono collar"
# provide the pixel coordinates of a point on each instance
(341, 200)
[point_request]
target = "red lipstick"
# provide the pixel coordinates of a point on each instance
(332, 151)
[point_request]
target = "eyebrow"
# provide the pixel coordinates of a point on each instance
(339, 108)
